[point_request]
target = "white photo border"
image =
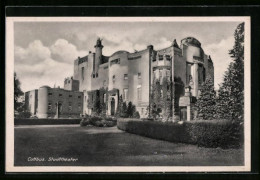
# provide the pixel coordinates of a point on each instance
(9, 146)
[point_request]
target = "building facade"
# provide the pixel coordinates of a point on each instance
(49, 102)
(132, 75)
(167, 81)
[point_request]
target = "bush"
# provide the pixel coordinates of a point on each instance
(213, 133)
(84, 122)
(23, 115)
(98, 121)
(136, 115)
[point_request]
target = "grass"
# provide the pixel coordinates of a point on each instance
(96, 146)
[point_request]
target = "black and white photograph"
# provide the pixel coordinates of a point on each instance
(128, 94)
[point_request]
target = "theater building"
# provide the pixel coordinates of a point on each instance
(131, 75)
(168, 79)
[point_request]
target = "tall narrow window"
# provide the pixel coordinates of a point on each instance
(79, 107)
(104, 83)
(125, 76)
(139, 93)
(139, 75)
(114, 78)
(49, 106)
(82, 73)
(125, 95)
(168, 74)
(70, 106)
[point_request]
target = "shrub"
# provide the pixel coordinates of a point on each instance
(110, 123)
(98, 121)
(136, 115)
(212, 133)
(84, 122)
(23, 115)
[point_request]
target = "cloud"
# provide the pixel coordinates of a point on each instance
(162, 43)
(48, 72)
(38, 65)
(33, 54)
(221, 58)
(64, 51)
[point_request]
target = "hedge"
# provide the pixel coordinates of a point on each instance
(206, 133)
(45, 121)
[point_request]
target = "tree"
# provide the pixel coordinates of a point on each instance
(231, 93)
(17, 93)
(207, 100)
(130, 109)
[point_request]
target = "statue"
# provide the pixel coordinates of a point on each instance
(99, 42)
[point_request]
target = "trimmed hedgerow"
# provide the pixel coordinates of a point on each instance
(36, 121)
(224, 134)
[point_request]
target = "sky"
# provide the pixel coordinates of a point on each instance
(44, 52)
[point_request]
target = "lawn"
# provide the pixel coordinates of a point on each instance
(93, 146)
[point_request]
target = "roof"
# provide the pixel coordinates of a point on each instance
(191, 40)
(104, 59)
(83, 59)
(119, 52)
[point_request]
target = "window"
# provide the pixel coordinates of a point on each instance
(168, 74)
(160, 57)
(70, 106)
(139, 91)
(60, 95)
(49, 106)
(115, 61)
(114, 78)
(70, 95)
(168, 57)
(125, 95)
(125, 76)
(82, 73)
(139, 75)
(104, 83)
(79, 97)
(49, 94)
(79, 107)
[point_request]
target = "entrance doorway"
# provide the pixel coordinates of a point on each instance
(112, 106)
(183, 113)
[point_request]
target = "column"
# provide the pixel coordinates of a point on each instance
(109, 106)
(196, 80)
(188, 113)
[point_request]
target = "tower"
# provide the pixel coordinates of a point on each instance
(98, 57)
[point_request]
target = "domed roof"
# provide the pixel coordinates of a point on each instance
(119, 52)
(191, 40)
